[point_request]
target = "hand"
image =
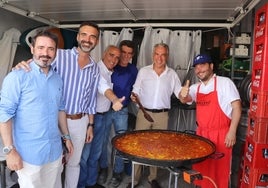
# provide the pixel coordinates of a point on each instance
(23, 65)
(69, 146)
(117, 104)
(133, 97)
(89, 136)
(14, 161)
(230, 139)
(185, 90)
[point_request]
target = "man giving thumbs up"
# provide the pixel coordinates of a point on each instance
(218, 111)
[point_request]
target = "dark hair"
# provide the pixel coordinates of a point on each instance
(45, 33)
(91, 24)
(127, 43)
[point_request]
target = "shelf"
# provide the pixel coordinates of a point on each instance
(241, 57)
(237, 60)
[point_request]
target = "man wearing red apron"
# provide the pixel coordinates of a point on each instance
(218, 111)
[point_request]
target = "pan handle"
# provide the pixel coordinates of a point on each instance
(190, 132)
(217, 155)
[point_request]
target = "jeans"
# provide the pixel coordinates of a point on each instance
(119, 120)
(91, 154)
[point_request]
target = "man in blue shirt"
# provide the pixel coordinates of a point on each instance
(33, 118)
(123, 78)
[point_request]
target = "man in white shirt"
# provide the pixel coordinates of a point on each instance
(154, 86)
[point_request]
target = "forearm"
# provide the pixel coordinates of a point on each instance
(6, 133)
(109, 94)
(63, 123)
(91, 118)
(236, 114)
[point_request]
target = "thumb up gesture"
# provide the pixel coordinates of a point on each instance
(117, 104)
(185, 90)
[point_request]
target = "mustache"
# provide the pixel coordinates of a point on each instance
(45, 56)
(83, 42)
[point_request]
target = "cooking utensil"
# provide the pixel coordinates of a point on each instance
(155, 143)
(146, 115)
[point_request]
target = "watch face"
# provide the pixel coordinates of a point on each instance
(7, 149)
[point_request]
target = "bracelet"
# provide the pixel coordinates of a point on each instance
(90, 125)
(66, 137)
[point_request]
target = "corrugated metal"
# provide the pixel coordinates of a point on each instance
(74, 11)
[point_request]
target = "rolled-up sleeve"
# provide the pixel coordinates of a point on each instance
(9, 97)
(103, 85)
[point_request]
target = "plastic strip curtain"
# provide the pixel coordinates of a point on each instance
(109, 37)
(8, 46)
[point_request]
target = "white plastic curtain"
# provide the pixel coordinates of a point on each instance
(8, 46)
(183, 46)
(108, 37)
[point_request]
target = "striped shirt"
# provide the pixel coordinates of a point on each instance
(80, 86)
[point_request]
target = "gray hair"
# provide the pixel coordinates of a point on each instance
(164, 45)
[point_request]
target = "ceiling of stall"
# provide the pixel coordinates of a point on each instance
(118, 13)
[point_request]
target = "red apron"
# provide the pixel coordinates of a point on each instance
(214, 125)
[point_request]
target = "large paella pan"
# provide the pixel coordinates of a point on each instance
(163, 147)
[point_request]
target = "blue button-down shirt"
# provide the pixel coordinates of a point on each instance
(33, 100)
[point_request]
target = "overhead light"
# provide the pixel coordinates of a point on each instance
(230, 19)
(31, 14)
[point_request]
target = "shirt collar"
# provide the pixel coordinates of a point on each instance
(75, 52)
(105, 69)
(164, 72)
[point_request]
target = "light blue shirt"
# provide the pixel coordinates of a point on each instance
(33, 100)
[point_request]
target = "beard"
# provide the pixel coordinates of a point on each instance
(206, 77)
(43, 61)
(86, 48)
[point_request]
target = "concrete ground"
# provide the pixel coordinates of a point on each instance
(163, 180)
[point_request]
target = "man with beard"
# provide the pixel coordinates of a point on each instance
(33, 118)
(80, 75)
(218, 111)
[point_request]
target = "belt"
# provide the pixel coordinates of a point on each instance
(101, 113)
(157, 110)
(75, 116)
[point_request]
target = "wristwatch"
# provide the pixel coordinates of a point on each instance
(7, 149)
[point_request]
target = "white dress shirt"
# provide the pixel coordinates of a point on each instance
(103, 103)
(155, 91)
